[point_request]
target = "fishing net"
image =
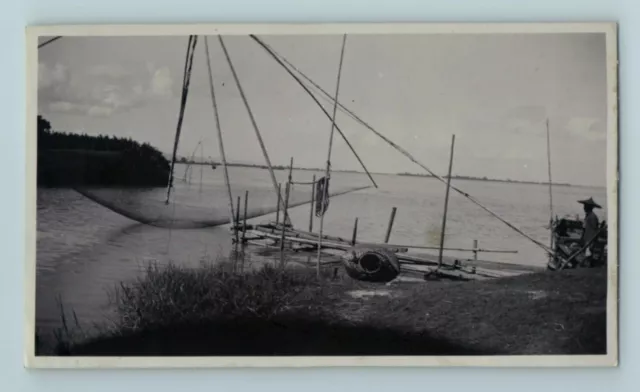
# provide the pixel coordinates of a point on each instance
(192, 208)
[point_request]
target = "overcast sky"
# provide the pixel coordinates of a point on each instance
(493, 92)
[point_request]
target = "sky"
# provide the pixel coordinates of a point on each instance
(493, 91)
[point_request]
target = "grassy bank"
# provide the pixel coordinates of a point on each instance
(213, 311)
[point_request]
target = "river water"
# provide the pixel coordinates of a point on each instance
(84, 249)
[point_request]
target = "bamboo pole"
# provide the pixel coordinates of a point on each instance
(49, 41)
(276, 57)
(287, 218)
(327, 245)
(237, 219)
(201, 167)
(278, 204)
(332, 239)
(223, 157)
(355, 232)
(390, 224)
(313, 193)
(286, 199)
(284, 226)
(188, 66)
(300, 233)
(254, 124)
(328, 167)
(550, 187)
(244, 224)
(446, 202)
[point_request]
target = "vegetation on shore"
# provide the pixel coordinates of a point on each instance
(67, 159)
(214, 311)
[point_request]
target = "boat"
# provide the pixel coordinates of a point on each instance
(568, 250)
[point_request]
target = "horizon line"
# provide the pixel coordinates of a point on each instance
(399, 174)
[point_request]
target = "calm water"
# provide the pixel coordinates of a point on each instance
(84, 249)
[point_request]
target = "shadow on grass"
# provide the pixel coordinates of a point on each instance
(209, 311)
(256, 337)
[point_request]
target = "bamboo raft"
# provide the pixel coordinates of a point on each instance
(299, 246)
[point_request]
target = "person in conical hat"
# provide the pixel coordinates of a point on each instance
(591, 223)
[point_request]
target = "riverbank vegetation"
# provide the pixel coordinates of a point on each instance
(214, 311)
(69, 159)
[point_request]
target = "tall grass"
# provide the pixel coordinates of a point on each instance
(63, 336)
(166, 295)
(169, 295)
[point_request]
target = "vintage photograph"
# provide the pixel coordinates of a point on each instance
(338, 192)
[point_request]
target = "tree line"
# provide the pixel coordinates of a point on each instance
(80, 159)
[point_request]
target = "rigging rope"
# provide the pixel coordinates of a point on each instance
(193, 40)
(219, 129)
(255, 127)
(274, 55)
(281, 60)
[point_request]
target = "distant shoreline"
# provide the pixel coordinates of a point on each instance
(454, 177)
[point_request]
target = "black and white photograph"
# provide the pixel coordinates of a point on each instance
(286, 194)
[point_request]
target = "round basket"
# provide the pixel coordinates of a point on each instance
(371, 265)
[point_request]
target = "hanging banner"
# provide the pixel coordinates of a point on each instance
(322, 196)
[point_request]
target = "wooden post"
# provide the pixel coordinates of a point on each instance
(390, 225)
(446, 202)
(237, 219)
(244, 224)
(278, 206)
(286, 204)
(475, 249)
(355, 232)
(313, 195)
